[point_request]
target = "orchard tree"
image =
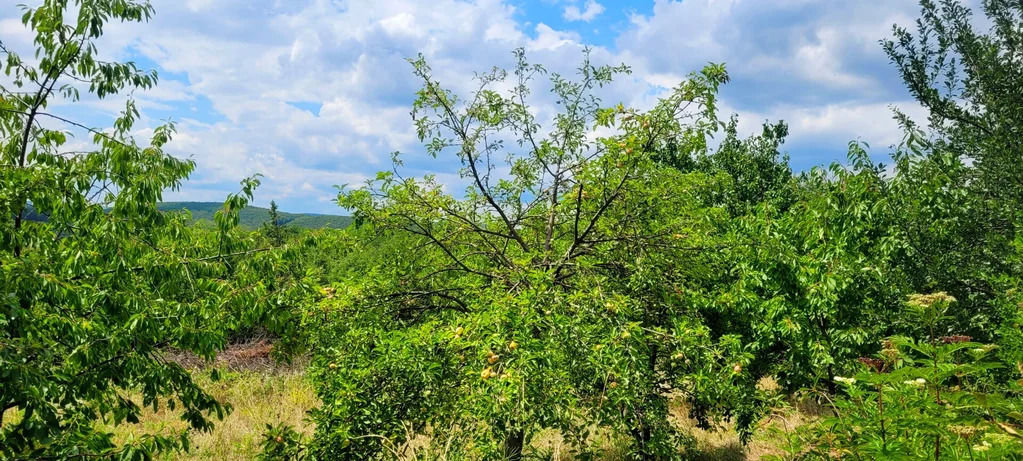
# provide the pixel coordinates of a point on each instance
(756, 168)
(552, 293)
(967, 72)
(100, 283)
(969, 80)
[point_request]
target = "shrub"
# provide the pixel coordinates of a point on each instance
(927, 398)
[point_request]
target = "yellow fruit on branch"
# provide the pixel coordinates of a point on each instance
(513, 345)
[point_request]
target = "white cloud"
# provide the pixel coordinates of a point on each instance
(591, 10)
(238, 64)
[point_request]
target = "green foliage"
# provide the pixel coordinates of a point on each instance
(281, 442)
(273, 230)
(757, 170)
(557, 296)
(926, 398)
(969, 82)
(824, 273)
(596, 267)
(94, 294)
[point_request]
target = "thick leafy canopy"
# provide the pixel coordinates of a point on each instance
(96, 292)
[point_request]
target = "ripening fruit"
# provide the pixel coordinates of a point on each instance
(626, 334)
(613, 384)
(459, 330)
(487, 373)
(513, 345)
(737, 368)
(598, 347)
(678, 236)
(332, 366)
(504, 376)
(279, 439)
(493, 358)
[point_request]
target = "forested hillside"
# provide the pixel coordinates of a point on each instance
(252, 217)
(607, 282)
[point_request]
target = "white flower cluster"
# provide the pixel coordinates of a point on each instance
(919, 382)
(843, 379)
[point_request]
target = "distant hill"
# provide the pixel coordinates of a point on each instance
(253, 217)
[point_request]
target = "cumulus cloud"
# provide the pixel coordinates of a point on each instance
(235, 75)
(591, 10)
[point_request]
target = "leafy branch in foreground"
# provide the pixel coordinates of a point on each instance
(920, 398)
(96, 293)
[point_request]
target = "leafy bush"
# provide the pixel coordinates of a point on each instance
(927, 398)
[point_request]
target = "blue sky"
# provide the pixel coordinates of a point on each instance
(313, 93)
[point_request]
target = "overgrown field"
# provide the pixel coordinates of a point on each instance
(262, 393)
(257, 398)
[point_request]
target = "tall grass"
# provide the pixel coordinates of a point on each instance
(258, 397)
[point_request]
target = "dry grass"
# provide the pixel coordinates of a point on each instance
(261, 392)
(258, 398)
(722, 443)
(717, 444)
